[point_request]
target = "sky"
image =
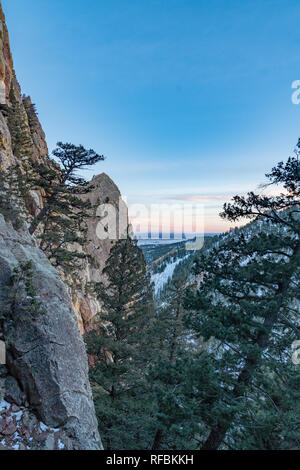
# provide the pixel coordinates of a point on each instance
(189, 100)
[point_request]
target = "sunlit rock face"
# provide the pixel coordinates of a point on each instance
(6, 63)
(10, 88)
(6, 154)
(104, 194)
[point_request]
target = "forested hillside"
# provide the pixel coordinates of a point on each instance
(214, 363)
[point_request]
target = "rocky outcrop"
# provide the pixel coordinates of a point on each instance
(10, 92)
(40, 148)
(6, 63)
(6, 155)
(103, 191)
(45, 353)
(46, 374)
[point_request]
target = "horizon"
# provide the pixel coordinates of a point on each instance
(185, 102)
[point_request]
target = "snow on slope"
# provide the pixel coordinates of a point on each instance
(160, 279)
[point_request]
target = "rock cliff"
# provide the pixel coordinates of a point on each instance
(47, 369)
(46, 375)
(103, 188)
(103, 191)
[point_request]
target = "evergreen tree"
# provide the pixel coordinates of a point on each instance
(22, 144)
(10, 203)
(119, 346)
(174, 348)
(61, 223)
(248, 301)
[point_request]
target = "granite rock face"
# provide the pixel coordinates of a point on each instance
(103, 189)
(6, 154)
(46, 354)
(47, 368)
(103, 192)
(6, 63)
(10, 90)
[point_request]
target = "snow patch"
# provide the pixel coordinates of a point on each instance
(160, 279)
(4, 406)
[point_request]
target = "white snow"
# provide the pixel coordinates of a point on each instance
(43, 427)
(4, 405)
(60, 445)
(160, 279)
(17, 415)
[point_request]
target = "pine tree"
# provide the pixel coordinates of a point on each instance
(174, 348)
(119, 346)
(62, 219)
(248, 301)
(10, 204)
(61, 222)
(22, 144)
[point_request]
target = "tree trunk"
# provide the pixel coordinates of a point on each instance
(157, 440)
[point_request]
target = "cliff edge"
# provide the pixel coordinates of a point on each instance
(45, 396)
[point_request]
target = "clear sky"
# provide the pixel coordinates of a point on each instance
(188, 99)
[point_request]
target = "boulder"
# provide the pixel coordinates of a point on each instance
(46, 354)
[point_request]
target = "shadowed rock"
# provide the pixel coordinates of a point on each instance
(46, 354)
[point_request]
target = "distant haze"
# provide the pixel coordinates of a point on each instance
(185, 98)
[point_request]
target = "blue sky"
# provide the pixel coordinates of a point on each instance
(188, 99)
